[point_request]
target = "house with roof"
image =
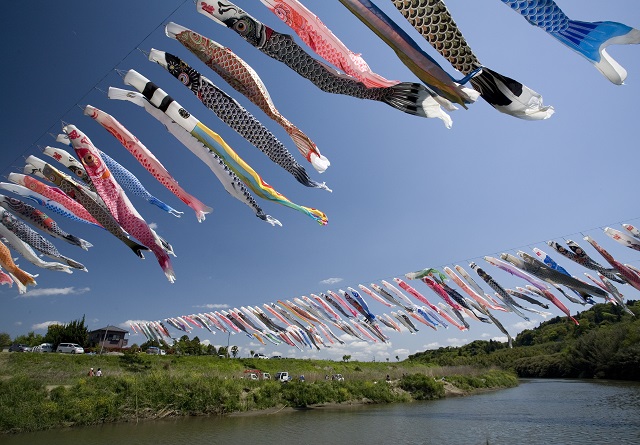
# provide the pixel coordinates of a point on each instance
(109, 337)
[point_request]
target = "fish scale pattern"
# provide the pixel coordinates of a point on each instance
(237, 117)
(409, 97)
(39, 218)
(542, 13)
(128, 180)
(434, 22)
(307, 27)
(237, 73)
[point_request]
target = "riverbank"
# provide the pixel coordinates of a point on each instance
(47, 391)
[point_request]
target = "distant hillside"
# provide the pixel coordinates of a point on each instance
(605, 345)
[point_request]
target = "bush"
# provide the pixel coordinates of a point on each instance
(422, 387)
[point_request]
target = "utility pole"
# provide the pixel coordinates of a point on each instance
(104, 339)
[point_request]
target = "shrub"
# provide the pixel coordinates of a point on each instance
(422, 387)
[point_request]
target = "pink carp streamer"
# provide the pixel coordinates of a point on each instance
(631, 276)
(115, 198)
(324, 43)
(147, 159)
(237, 73)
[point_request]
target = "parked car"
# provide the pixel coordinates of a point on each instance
(17, 347)
(282, 377)
(266, 376)
(257, 355)
(155, 350)
(276, 356)
(70, 348)
(44, 347)
(337, 377)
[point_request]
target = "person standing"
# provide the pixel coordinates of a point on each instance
(99, 373)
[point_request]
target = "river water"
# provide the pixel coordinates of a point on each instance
(536, 412)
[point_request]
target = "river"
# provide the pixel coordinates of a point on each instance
(536, 412)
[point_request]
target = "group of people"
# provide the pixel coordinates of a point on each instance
(97, 373)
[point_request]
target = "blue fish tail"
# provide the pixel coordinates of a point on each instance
(155, 201)
(589, 39)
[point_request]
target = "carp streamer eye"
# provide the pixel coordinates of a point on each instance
(242, 26)
(89, 160)
(184, 78)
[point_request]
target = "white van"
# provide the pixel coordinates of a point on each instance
(70, 348)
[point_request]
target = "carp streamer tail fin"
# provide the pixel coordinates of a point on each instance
(589, 39)
(137, 248)
(414, 98)
(308, 149)
(510, 96)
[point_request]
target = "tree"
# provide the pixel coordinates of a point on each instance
(31, 339)
(234, 351)
(397, 358)
(346, 358)
(251, 353)
(55, 334)
(5, 339)
(73, 332)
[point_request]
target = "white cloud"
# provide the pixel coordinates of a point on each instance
(401, 352)
(46, 291)
(44, 325)
(500, 339)
(485, 335)
(205, 342)
(213, 306)
(153, 226)
(434, 345)
(331, 281)
(18, 323)
(457, 341)
(525, 325)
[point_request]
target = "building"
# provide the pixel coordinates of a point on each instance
(109, 337)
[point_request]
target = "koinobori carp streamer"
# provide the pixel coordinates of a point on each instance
(589, 39)
(244, 79)
(409, 97)
(215, 143)
(116, 200)
(147, 159)
(229, 180)
(233, 114)
(324, 43)
(432, 19)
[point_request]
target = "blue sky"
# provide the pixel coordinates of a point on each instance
(407, 192)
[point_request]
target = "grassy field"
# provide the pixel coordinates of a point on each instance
(42, 391)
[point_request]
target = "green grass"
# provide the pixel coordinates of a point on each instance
(43, 391)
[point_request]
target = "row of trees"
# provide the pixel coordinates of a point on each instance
(73, 332)
(606, 344)
(186, 346)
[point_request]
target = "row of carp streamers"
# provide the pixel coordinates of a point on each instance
(314, 321)
(95, 194)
